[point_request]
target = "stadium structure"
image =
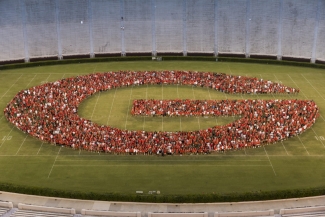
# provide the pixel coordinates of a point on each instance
(36, 30)
(55, 29)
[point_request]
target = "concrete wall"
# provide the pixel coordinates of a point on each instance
(59, 28)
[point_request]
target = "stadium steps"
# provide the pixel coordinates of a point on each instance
(10, 211)
(31, 213)
(4, 211)
(310, 214)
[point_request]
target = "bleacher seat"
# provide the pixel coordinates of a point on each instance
(32, 213)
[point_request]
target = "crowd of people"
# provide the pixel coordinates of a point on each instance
(261, 121)
(49, 112)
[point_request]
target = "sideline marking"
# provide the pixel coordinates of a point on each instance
(10, 87)
(215, 156)
(303, 94)
(319, 113)
(284, 147)
(302, 143)
(127, 112)
(318, 137)
(313, 86)
(163, 165)
(110, 111)
(91, 117)
(40, 148)
(54, 162)
(269, 160)
(22, 144)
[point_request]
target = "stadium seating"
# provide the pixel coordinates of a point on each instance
(231, 17)
(106, 28)
(3, 210)
(42, 39)
(316, 211)
(137, 26)
(37, 29)
(264, 27)
(26, 210)
(11, 31)
(169, 25)
(298, 25)
(200, 27)
(30, 213)
(320, 51)
(74, 27)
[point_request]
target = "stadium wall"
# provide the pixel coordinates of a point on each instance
(32, 30)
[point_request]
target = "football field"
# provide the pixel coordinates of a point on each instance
(295, 163)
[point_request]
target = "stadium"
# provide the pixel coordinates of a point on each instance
(55, 42)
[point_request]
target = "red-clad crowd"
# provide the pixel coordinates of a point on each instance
(49, 112)
(261, 122)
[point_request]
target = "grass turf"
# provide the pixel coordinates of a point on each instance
(295, 163)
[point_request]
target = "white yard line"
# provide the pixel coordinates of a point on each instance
(303, 144)
(144, 117)
(198, 118)
(40, 148)
(95, 106)
(180, 123)
(269, 160)
(5, 94)
(303, 94)
(193, 93)
(31, 80)
(128, 111)
(319, 114)
(165, 160)
(110, 111)
(54, 162)
(21, 144)
(284, 147)
(313, 87)
(47, 79)
(94, 69)
(163, 165)
(180, 117)
(214, 156)
(318, 137)
(10, 87)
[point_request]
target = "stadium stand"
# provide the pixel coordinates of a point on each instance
(199, 27)
(28, 207)
(106, 19)
(91, 213)
(231, 16)
(320, 43)
(30, 213)
(3, 211)
(304, 212)
(74, 27)
(11, 31)
(185, 214)
(292, 29)
(83, 208)
(298, 28)
(263, 31)
(245, 214)
(137, 19)
(41, 28)
(169, 26)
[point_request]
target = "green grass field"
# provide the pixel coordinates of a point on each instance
(295, 163)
